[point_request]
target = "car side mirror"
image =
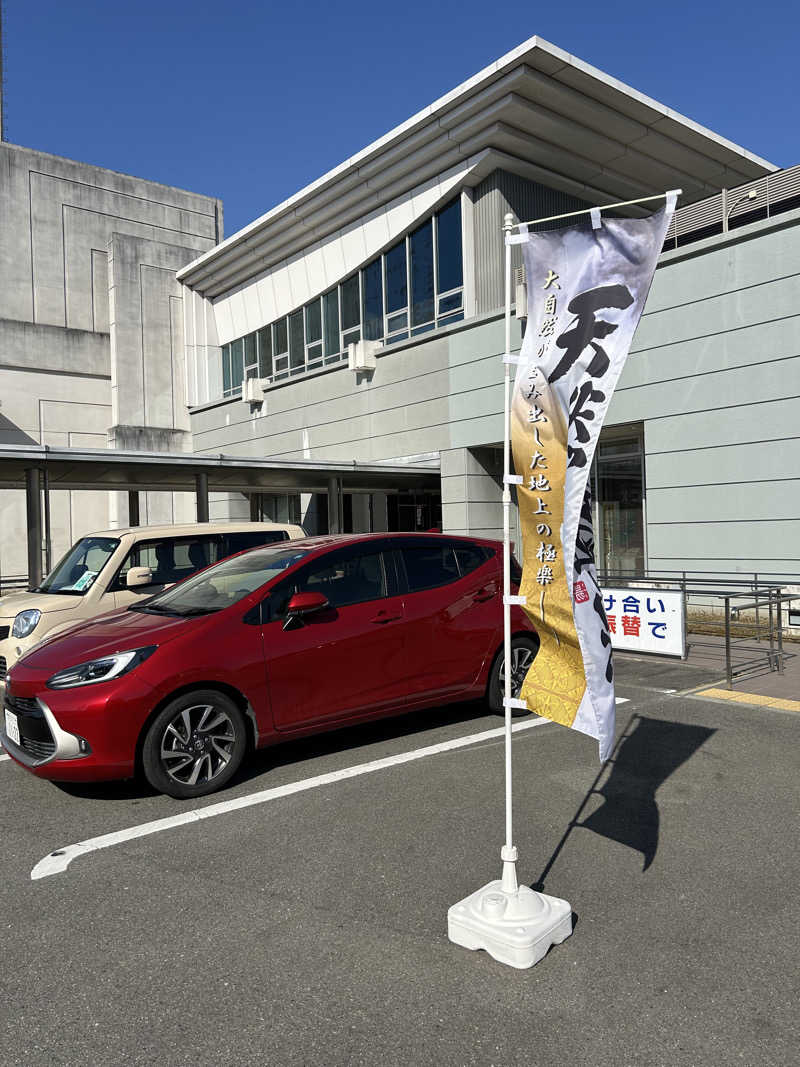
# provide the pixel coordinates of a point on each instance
(302, 605)
(138, 576)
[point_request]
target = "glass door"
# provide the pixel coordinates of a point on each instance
(618, 482)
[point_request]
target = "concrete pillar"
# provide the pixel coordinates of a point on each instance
(48, 543)
(133, 507)
(310, 511)
(255, 510)
(201, 484)
(361, 516)
(380, 513)
(335, 517)
(33, 502)
(472, 492)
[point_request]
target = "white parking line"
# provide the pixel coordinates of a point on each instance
(4, 756)
(60, 859)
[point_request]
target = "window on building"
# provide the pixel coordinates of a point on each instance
(226, 370)
(332, 338)
(251, 356)
(372, 290)
(414, 287)
(422, 289)
(265, 352)
(280, 348)
(350, 312)
(314, 333)
(237, 365)
(396, 270)
(297, 355)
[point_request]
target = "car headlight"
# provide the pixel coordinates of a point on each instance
(26, 622)
(100, 670)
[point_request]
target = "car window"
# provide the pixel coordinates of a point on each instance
(238, 542)
(77, 571)
(171, 559)
(469, 557)
(226, 583)
(342, 579)
(430, 565)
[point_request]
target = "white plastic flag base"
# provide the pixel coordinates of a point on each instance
(516, 927)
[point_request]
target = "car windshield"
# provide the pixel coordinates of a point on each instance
(224, 584)
(78, 570)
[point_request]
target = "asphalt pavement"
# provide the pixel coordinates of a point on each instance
(309, 927)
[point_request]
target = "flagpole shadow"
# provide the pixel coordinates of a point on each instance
(646, 753)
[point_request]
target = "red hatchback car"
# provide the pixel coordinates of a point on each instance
(267, 645)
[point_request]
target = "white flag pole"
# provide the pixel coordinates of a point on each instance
(513, 923)
(509, 852)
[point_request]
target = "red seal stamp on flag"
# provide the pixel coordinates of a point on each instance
(581, 593)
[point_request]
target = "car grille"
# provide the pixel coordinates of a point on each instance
(38, 749)
(24, 705)
(3, 667)
(3, 632)
(34, 733)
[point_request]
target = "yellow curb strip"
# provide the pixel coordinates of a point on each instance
(751, 698)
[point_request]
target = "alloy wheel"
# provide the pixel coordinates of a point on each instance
(521, 660)
(197, 744)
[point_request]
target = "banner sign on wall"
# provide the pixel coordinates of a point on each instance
(646, 620)
(587, 286)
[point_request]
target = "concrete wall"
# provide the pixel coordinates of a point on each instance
(714, 374)
(91, 326)
(56, 219)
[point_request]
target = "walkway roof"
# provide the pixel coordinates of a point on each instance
(116, 469)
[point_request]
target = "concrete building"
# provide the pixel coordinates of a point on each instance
(91, 328)
(401, 246)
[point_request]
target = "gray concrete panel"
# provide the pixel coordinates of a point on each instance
(712, 394)
(750, 541)
(745, 463)
(51, 350)
(725, 503)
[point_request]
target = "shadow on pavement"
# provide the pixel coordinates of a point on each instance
(646, 754)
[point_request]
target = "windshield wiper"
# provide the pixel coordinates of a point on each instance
(198, 611)
(153, 609)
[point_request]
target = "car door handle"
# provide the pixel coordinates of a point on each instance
(482, 595)
(384, 616)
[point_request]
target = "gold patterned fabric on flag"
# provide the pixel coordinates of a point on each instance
(587, 286)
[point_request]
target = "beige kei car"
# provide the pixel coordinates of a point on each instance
(115, 568)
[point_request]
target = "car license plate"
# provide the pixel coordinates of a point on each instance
(12, 726)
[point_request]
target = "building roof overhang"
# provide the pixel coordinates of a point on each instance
(537, 111)
(119, 470)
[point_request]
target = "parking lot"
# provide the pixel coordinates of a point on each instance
(307, 925)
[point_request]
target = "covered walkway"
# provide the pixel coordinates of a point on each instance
(38, 469)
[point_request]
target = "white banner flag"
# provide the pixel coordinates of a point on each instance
(587, 286)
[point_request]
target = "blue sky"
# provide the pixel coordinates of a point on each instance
(251, 101)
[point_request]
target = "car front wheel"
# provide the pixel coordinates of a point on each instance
(194, 745)
(523, 653)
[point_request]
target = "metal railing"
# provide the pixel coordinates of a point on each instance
(734, 596)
